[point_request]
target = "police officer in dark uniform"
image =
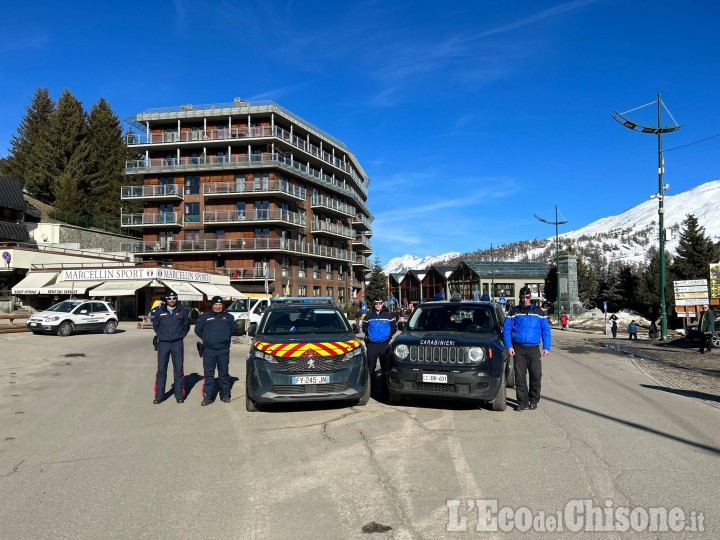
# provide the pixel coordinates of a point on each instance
(215, 328)
(171, 325)
(378, 326)
(525, 327)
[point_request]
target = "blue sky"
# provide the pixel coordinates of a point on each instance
(469, 117)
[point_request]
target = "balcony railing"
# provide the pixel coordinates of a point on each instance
(160, 219)
(331, 229)
(167, 191)
(240, 187)
(362, 222)
(248, 274)
(363, 241)
(249, 245)
(237, 161)
(361, 260)
(326, 203)
(254, 216)
(225, 134)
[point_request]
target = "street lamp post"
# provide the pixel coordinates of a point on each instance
(557, 255)
(656, 130)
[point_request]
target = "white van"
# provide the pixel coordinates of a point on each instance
(248, 310)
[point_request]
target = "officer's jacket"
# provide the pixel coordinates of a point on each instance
(527, 327)
(707, 321)
(216, 329)
(379, 327)
(171, 326)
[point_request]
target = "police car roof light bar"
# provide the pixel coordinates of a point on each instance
(303, 299)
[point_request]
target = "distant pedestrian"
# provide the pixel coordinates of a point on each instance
(613, 326)
(632, 330)
(564, 321)
(706, 325)
(358, 314)
(653, 331)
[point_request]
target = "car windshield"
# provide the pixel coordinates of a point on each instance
(305, 320)
(453, 318)
(64, 307)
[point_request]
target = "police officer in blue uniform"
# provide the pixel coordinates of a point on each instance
(215, 328)
(378, 326)
(171, 325)
(525, 327)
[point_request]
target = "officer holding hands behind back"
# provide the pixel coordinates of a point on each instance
(216, 328)
(171, 325)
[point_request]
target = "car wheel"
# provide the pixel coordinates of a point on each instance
(110, 327)
(394, 398)
(366, 395)
(510, 377)
(716, 340)
(65, 329)
(500, 401)
(250, 405)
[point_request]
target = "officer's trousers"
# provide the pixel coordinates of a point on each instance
(527, 360)
(374, 352)
(220, 359)
(166, 349)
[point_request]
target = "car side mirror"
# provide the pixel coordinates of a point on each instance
(401, 325)
(355, 328)
(252, 329)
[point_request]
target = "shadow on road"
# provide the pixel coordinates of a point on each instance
(635, 425)
(687, 393)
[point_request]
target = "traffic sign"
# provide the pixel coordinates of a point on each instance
(7, 256)
(502, 300)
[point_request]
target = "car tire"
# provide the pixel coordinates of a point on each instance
(394, 398)
(510, 377)
(716, 340)
(500, 401)
(366, 395)
(65, 329)
(250, 405)
(110, 327)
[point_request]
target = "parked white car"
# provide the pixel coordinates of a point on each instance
(71, 316)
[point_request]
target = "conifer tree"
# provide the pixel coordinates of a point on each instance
(70, 199)
(30, 133)
(377, 287)
(649, 285)
(66, 133)
(695, 251)
(107, 155)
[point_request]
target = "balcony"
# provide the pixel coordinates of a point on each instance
(250, 246)
(164, 192)
(331, 206)
(248, 274)
(328, 229)
(361, 260)
(363, 223)
(241, 162)
(161, 220)
(278, 188)
(226, 217)
(363, 242)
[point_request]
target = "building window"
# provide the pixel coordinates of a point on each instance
(302, 290)
(220, 236)
(240, 211)
(261, 209)
(192, 185)
(341, 271)
(286, 267)
(302, 266)
(329, 291)
(262, 238)
(341, 295)
(239, 183)
(192, 212)
(316, 290)
(261, 181)
(505, 289)
(316, 272)
(328, 271)
(192, 236)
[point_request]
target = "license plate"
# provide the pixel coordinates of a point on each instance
(312, 379)
(432, 377)
(33, 324)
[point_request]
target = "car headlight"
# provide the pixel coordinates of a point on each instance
(352, 354)
(476, 354)
(265, 356)
(53, 318)
(401, 352)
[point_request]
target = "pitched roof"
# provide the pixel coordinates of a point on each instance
(11, 195)
(508, 269)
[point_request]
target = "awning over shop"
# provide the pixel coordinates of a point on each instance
(122, 287)
(69, 287)
(225, 291)
(184, 290)
(33, 282)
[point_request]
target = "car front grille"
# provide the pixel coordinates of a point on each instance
(436, 387)
(294, 389)
(438, 355)
(309, 364)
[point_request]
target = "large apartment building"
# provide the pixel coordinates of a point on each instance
(251, 190)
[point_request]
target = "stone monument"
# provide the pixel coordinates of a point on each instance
(568, 293)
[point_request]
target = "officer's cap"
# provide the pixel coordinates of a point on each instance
(171, 295)
(216, 300)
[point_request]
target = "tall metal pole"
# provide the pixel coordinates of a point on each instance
(492, 274)
(661, 219)
(557, 263)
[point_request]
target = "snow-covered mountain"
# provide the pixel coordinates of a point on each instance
(410, 262)
(624, 238)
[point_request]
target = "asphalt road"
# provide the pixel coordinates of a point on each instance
(85, 454)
